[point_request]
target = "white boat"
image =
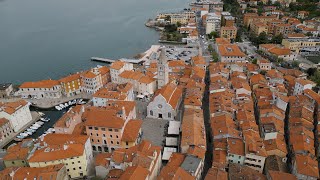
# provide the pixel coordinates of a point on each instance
(24, 134)
(62, 106)
(29, 133)
(30, 130)
(51, 130)
(39, 123)
(58, 108)
(70, 103)
(20, 137)
(41, 113)
(35, 127)
(66, 104)
(45, 119)
(74, 101)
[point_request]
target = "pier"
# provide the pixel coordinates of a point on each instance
(105, 60)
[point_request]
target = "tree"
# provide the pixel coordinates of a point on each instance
(262, 38)
(277, 39)
(309, 34)
(179, 24)
(210, 49)
(213, 34)
(170, 28)
(238, 36)
(311, 71)
(167, 18)
(263, 72)
(254, 61)
(215, 56)
(316, 77)
(295, 64)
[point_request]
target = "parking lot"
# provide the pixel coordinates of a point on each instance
(181, 53)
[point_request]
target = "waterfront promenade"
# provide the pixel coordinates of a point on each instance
(49, 103)
(35, 117)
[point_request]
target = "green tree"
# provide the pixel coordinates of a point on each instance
(295, 64)
(178, 24)
(215, 56)
(213, 34)
(263, 72)
(210, 49)
(316, 78)
(311, 71)
(262, 38)
(309, 34)
(167, 18)
(254, 61)
(238, 36)
(277, 39)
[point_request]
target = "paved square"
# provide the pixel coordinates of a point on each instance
(154, 130)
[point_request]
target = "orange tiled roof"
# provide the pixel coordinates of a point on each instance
(70, 78)
(230, 50)
(40, 84)
(134, 172)
(131, 131)
(117, 65)
(11, 107)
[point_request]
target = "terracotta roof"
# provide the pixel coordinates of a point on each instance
(100, 117)
(101, 159)
(296, 35)
(307, 166)
(134, 172)
(216, 174)
(59, 146)
(131, 131)
(275, 175)
(117, 65)
(280, 51)
(193, 128)
(70, 78)
(315, 96)
(3, 121)
(171, 93)
(222, 41)
(146, 80)
(40, 84)
(230, 50)
(12, 107)
(48, 172)
(235, 146)
(305, 82)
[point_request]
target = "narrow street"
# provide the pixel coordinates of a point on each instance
(206, 116)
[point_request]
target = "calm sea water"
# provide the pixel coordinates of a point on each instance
(42, 39)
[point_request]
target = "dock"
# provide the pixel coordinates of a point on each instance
(105, 60)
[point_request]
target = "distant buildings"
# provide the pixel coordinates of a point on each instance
(230, 53)
(41, 89)
(95, 79)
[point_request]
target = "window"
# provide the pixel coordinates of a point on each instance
(80, 168)
(169, 115)
(110, 130)
(90, 127)
(116, 130)
(127, 143)
(111, 142)
(117, 142)
(104, 141)
(96, 128)
(104, 135)
(117, 136)
(97, 134)
(151, 113)
(103, 129)
(111, 136)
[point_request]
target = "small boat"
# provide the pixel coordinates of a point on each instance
(24, 134)
(62, 106)
(35, 127)
(31, 130)
(39, 123)
(70, 103)
(41, 113)
(66, 104)
(58, 108)
(29, 133)
(45, 119)
(74, 101)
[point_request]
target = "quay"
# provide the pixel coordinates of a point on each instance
(105, 60)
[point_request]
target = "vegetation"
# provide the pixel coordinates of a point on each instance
(314, 75)
(306, 5)
(213, 35)
(171, 34)
(277, 39)
(215, 56)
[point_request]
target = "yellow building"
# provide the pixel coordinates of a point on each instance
(75, 152)
(228, 32)
(71, 85)
(259, 27)
(296, 44)
(131, 134)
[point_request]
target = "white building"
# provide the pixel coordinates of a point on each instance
(117, 68)
(255, 161)
(301, 85)
(163, 69)
(213, 23)
(147, 86)
(235, 151)
(41, 89)
(165, 103)
(18, 113)
(94, 79)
